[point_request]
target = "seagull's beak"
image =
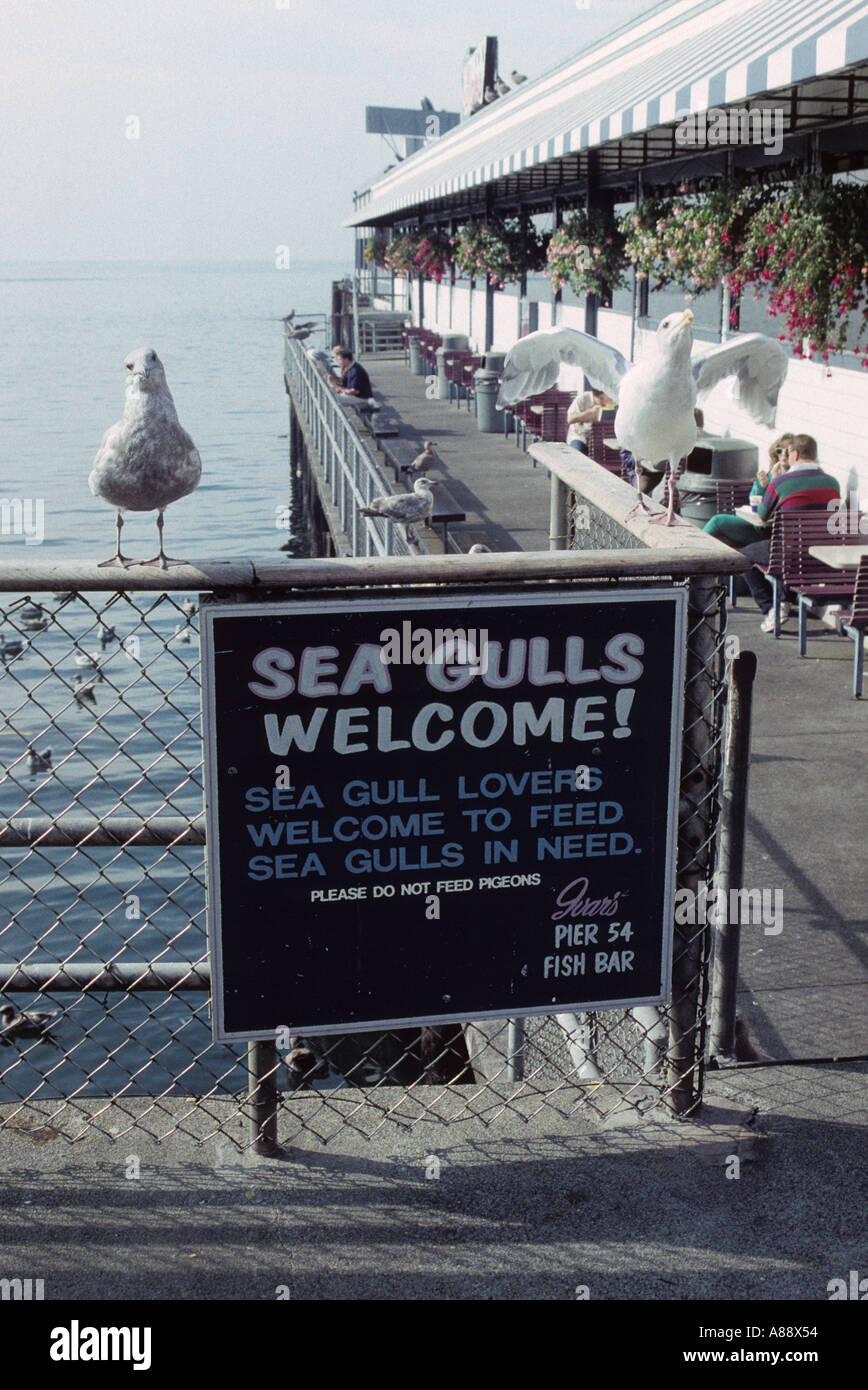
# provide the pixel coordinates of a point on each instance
(687, 316)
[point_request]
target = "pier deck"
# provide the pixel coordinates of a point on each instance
(505, 498)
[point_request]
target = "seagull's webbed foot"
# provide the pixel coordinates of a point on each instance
(161, 561)
(118, 559)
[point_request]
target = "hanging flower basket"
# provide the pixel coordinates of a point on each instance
(427, 252)
(375, 249)
(502, 250)
(587, 253)
(804, 242)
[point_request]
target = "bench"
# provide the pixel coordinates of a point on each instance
(398, 453)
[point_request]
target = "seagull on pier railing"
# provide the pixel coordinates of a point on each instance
(405, 507)
(657, 395)
(146, 460)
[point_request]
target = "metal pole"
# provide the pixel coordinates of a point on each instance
(695, 845)
(262, 1094)
(730, 874)
(515, 1049)
(356, 334)
(558, 514)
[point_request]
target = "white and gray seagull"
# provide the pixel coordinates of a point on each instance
(405, 507)
(146, 460)
(657, 395)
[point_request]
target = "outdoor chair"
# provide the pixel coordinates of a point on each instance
(854, 622)
(732, 493)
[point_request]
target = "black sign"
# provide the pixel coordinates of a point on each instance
(440, 808)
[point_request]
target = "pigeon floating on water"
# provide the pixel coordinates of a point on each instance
(657, 395)
(145, 461)
(406, 507)
(83, 690)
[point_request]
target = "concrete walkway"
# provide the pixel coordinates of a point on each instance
(505, 497)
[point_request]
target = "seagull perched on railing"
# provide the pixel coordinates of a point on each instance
(405, 507)
(657, 395)
(146, 460)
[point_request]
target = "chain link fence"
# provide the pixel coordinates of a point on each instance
(104, 971)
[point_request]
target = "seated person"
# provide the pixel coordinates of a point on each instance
(734, 530)
(354, 380)
(803, 487)
(587, 407)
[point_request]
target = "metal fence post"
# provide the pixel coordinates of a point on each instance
(262, 1095)
(730, 873)
(558, 513)
(697, 819)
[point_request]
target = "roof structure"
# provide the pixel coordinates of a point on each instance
(622, 98)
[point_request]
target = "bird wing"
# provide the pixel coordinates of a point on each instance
(533, 363)
(759, 365)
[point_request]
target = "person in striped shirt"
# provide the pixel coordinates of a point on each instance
(804, 487)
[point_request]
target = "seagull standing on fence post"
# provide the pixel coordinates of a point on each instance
(146, 460)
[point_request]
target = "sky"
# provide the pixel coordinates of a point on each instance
(226, 129)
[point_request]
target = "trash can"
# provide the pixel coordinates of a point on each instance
(714, 457)
(452, 343)
(487, 378)
(417, 366)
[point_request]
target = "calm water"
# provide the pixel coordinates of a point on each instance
(66, 331)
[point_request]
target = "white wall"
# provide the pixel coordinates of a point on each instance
(507, 321)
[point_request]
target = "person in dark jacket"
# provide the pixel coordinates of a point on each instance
(354, 380)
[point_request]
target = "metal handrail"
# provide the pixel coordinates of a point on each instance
(349, 469)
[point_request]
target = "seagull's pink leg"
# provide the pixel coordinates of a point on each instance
(161, 558)
(669, 518)
(117, 558)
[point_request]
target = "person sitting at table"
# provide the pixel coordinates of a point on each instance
(736, 531)
(587, 407)
(354, 380)
(803, 487)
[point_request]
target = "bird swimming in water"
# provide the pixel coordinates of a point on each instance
(422, 462)
(189, 607)
(656, 418)
(83, 690)
(405, 507)
(181, 634)
(146, 460)
(9, 650)
(105, 635)
(26, 1023)
(32, 618)
(90, 660)
(38, 762)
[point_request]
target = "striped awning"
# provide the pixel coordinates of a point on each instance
(690, 55)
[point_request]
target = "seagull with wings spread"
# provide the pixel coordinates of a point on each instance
(657, 395)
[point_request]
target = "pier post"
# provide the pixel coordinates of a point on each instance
(262, 1094)
(558, 513)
